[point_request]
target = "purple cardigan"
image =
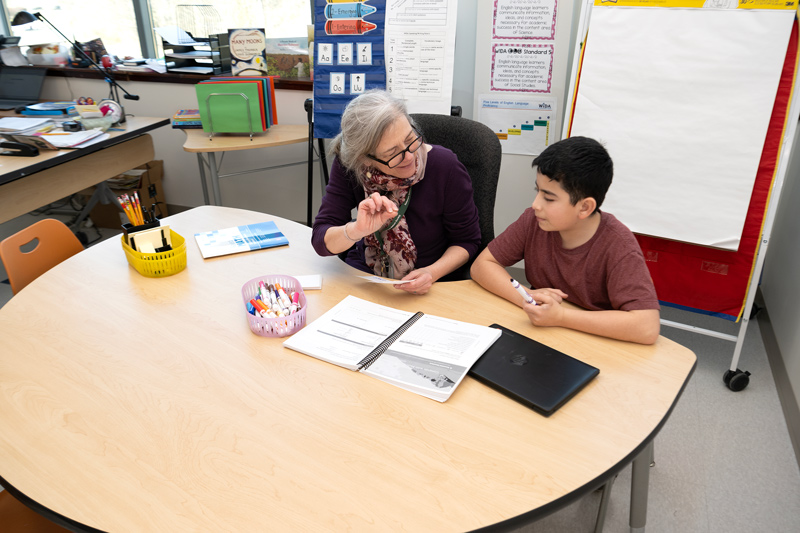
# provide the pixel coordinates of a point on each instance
(442, 212)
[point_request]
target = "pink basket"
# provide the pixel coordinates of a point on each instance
(281, 326)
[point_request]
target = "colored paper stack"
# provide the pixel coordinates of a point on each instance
(224, 102)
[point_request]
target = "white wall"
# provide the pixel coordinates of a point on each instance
(780, 283)
(280, 192)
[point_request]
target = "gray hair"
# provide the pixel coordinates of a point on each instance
(364, 121)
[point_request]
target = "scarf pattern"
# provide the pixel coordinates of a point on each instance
(398, 250)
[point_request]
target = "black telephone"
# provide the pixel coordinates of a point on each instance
(19, 149)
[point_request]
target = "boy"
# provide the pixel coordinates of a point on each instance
(575, 252)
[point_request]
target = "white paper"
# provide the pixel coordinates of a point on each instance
(683, 119)
(524, 126)
(193, 70)
(22, 125)
(420, 53)
(74, 140)
(175, 35)
(311, 281)
(378, 279)
(12, 56)
(524, 19)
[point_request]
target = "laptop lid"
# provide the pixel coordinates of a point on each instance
(530, 372)
(21, 83)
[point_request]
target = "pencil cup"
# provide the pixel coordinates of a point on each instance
(130, 228)
(160, 264)
(280, 326)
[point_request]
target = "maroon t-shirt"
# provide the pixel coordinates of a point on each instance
(607, 272)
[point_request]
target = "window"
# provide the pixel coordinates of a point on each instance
(115, 22)
(73, 19)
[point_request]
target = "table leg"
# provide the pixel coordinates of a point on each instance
(212, 168)
(640, 482)
(201, 163)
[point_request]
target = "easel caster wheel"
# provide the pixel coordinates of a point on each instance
(82, 237)
(736, 380)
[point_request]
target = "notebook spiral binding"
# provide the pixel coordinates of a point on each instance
(388, 341)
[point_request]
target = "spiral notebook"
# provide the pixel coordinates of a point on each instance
(530, 372)
(421, 353)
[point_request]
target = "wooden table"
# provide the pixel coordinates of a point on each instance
(139, 404)
(27, 183)
(199, 142)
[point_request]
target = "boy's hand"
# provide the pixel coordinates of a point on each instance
(547, 311)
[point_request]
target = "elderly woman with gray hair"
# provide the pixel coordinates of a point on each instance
(416, 219)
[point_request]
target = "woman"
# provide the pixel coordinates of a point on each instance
(416, 219)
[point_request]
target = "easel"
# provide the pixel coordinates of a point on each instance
(734, 378)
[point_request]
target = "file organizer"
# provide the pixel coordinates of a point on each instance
(236, 105)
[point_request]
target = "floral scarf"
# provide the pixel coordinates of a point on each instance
(398, 255)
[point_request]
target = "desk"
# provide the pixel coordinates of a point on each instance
(198, 142)
(27, 183)
(202, 425)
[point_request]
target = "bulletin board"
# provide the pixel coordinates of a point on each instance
(349, 58)
(701, 251)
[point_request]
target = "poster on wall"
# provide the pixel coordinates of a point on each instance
(420, 53)
(524, 125)
(523, 41)
(348, 60)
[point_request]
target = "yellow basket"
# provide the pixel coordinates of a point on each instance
(160, 264)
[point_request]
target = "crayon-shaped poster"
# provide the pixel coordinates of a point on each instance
(349, 10)
(349, 57)
(348, 27)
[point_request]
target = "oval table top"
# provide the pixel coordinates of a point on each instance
(146, 404)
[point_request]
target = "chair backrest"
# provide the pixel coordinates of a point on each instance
(479, 150)
(56, 243)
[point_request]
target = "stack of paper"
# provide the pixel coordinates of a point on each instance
(224, 103)
(25, 126)
(78, 139)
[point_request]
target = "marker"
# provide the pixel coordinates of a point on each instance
(348, 27)
(351, 10)
(282, 294)
(527, 297)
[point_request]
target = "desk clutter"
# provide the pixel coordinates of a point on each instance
(237, 105)
(276, 305)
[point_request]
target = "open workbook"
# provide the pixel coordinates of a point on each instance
(425, 354)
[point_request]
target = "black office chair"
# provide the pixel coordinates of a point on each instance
(479, 150)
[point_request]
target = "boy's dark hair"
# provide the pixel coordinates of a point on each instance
(581, 165)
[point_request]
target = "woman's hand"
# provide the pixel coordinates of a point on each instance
(373, 212)
(422, 280)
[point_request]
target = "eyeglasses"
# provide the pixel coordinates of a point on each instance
(400, 156)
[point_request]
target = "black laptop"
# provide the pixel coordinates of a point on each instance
(20, 86)
(530, 372)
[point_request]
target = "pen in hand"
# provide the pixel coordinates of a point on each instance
(527, 297)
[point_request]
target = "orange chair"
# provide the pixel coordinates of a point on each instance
(17, 518)
(56, 243)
